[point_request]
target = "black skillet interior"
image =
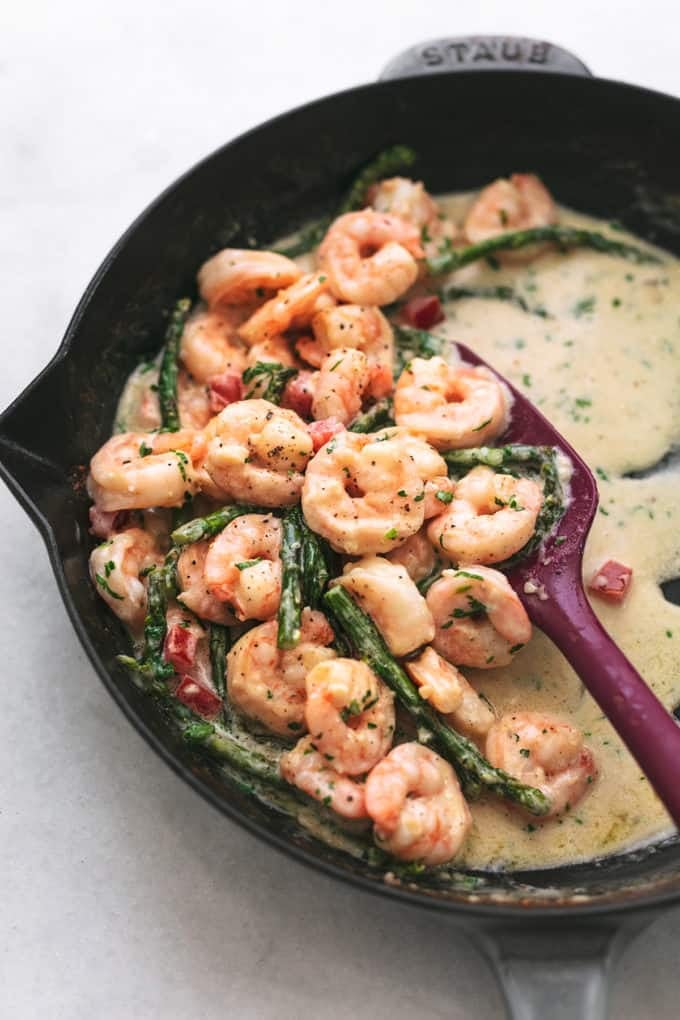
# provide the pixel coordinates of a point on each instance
(602, 147)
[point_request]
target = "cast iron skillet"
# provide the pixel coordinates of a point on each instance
(603, 147)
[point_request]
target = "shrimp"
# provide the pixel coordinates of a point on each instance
(438, 487)
(209, 344)
(370, 257)
(479, 620)
(449, 692)
(545, 752)
(311, 772)
(516, 204)
(292, 308)
(234, 276)
(409, 200)
(491, 517)
(451, 406)
(136, 470)
(386, 592)
(193, 402)
(365, 493)
(418, 810)
(115, 567)
(416, 555)
(349, 714)
(340, 385)
(243, 566)
(276, 349)
(194, 593)
(364, 328)
(268, 684)
(256, 452)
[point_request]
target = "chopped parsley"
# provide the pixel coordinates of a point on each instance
(586, 306)
(104, 584)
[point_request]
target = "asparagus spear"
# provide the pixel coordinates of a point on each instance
(307, 239)
(500, 293)
(314, 567)
(211, 524)
(273, 374)
(290, 606)
(497, 457)
(214, 740)
(540, 460)
(426, 582)
(385, 164)
(219, 645)
(414, 343)
(457, 749)
(167, 376)
(162, 587)
(565, 237)
(377, 417)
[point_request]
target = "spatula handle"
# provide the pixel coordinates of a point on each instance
(647, 728)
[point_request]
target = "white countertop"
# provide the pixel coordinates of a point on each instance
(124, 895)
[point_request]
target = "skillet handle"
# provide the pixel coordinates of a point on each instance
(557, 974)
(483, 53)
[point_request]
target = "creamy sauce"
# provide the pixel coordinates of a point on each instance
(603, 365)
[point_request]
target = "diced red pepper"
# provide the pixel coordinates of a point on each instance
(322, 431)
(104, 523)
(179, 648)
(298, 394)
(423, 312)
(198, 697)
(225, 389)
(612, 580)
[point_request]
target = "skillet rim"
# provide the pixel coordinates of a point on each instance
(620, 902)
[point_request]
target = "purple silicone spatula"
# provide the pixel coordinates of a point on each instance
(563, 612)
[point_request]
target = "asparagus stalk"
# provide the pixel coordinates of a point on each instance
(565, 237)
(162, 586)
(273, 375)
(462, 753)
(290, 606)
(167, 376)
(307, 239)
(219, 645)
(259, 777)
(414, 343)
(215, 741)
(211, 524)
(377, 417)
(509, 456)
(540, 460)
(385, 164)
(500, 293)
(426, 582)
(314, 568)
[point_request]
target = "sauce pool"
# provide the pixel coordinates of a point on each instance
(598, 352)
